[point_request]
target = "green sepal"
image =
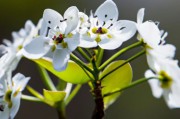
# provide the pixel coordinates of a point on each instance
(72, 74)
(53, 97)
(115, 81)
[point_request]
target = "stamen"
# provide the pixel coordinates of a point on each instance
(122, 28)
(48, 28)
(104, 23)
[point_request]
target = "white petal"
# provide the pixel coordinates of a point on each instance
(15, 105)
(87, 42)
(73, 42)
(37, 48)
(140, 16)
(71, 14)
(173, 100)
(110, 44)
(5, 114)
(154, 84)
(168, 50)
(60, 59)
(20, 82)
(107, 11)
(51, 19)
(150, 33)
(126, 29)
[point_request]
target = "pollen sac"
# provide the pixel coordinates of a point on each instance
(99, 30)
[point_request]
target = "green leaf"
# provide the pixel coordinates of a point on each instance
(115, 81)
(53, 97)
(73, 73)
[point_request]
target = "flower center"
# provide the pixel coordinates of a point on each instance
(7, 98)
(99, 30)
(58, 39)
(166, 80)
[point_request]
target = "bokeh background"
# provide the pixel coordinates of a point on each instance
(135, 103)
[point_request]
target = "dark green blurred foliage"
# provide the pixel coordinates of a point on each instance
(136, 103)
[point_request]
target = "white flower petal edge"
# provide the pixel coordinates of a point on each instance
(60, 59)
(71, 14)
(140, 16)
(154, 84)
(106, 11)
(37, 48)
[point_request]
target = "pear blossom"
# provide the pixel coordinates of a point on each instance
(161, 52)
(168, 85)
(149, 31)
(12, 51)
(105, 30)
(10, 95)
(57, 38)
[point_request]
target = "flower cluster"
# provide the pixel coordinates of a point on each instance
(55, 38)
(160, 57)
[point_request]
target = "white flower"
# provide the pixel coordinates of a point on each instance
(10, 95)
(11, 51)
(105, 30)
(161, 52)
(149, 31)
(168, 84)
(57, 39)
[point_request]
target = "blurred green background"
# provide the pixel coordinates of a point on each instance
(135, 103)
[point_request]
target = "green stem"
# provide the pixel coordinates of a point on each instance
(128, 60)
(30, 98)
(137, 82)
(73, 93)
(79, 62)
(119, 53)
(35, 93)
(99, 56)
(80, 50)
(46, 79)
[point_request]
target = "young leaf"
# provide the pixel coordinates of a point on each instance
(73, 73)
(115, 81)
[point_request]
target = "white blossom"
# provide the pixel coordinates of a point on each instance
(149, 31)
(105, 30)
(10, 95)
(57, 39)
(168, 85)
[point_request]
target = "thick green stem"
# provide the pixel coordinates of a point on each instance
(73, 93)
(99, 56)
(135, 83)
(46, 79)
(119, 53)
(128, 60)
